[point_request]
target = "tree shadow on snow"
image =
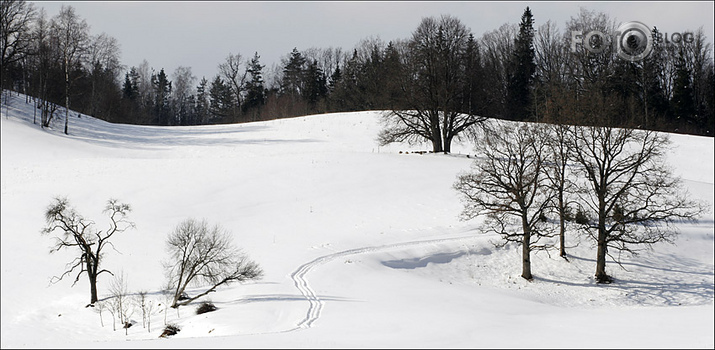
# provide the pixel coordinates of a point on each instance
(655, 279)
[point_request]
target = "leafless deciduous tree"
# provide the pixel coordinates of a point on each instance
(104, 67)
(199, 253)
(436, 108)
(235, 76)
(509, 187)
(559, 173)
(149, 308)
(76, 231)
(100, 306)
(72, 35)
(182, 90)
(120, 301)
(142, 301)
(16, 17)
(631, 194)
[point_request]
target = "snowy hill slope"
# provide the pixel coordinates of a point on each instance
(361, 245)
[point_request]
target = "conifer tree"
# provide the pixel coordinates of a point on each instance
(220, 100)
(334, 79)
(128, 89)
(293, 74)
(201, 105)
(255, 87)
(316, 87)
(523, 67)
(393, 70)
(162, 93)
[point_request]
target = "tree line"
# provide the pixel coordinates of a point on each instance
(443, 75)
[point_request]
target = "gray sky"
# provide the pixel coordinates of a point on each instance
(200, 35)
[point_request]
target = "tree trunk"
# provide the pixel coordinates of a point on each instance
(562, 224)
(526, 249)
(447, 144)
(436, 133)
(601, 275)
(92, 274)
(67, 93)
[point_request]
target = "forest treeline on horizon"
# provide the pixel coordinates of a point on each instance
(520, 71)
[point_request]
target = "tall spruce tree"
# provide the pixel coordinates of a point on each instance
(162, 93)
(522, 70)
(220, 100)
(130, 89)
(316, 86)
(293, 74)
(255, 87)
(201, 106)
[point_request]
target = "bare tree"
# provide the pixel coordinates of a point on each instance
(434, 87)
(142, 301)
(121, 302)
(509, 186)
(199, 253)
(76, 231)
(41, 60)
(149, 309)
(103, 56)
(144, 85)
(497, 48)
(111, 307)
(15, 19)
(72, 39)
(235, 77)
(583, 68)
(559, 172)
(630, 192)
(182, 90)
(100, 306)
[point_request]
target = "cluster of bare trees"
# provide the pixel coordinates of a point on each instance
(671, 89)
(199, 255)
(58, 61)
(615, 178)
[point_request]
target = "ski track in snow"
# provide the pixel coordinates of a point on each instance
(316, 304)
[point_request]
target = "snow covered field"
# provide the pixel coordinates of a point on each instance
(361, 245)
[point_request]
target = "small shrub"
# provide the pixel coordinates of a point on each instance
(169, 330)
(581, 218)
(205, 307)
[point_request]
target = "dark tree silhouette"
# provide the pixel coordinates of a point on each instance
(76, 231)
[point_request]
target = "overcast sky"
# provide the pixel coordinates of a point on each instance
(201, 34)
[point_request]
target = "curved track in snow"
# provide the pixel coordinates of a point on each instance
(316, 304)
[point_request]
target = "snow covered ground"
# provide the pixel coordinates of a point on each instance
(361, 245)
